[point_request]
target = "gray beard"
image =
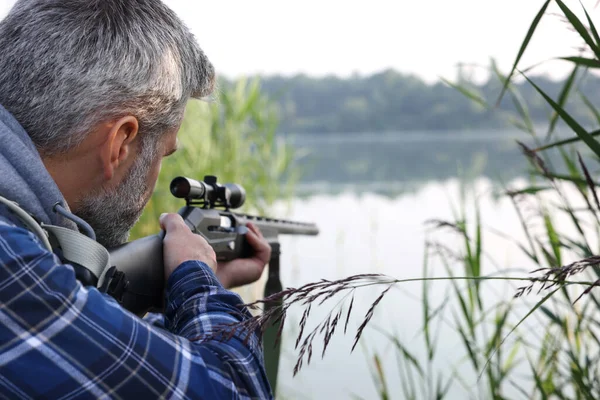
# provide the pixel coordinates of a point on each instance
(113, 213)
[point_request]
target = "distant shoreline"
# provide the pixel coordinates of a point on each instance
(390, 101)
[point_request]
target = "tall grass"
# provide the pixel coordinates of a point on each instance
(552, 350)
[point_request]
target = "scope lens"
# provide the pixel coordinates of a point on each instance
(237, 195)
(180, 187)
(186, 188)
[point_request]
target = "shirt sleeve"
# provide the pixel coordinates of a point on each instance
(155, 319)
(59, 339)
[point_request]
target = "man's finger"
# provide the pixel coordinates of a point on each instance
(255, 229)
(171, 222)
(261, 248)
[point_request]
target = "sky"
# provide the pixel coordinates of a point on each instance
(345, 37)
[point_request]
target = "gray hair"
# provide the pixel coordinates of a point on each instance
(67, 65)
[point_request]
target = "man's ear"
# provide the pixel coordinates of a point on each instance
(119, 144)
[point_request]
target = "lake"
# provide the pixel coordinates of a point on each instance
(392, 163)
(371, 195)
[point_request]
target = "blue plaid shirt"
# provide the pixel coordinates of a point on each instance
(59, 340)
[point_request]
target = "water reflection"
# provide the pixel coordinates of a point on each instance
(371, 198)
(400, 162)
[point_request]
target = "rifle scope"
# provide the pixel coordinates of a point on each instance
(209, 192)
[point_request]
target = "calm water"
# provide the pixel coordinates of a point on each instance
(392, 163)
(371, 197)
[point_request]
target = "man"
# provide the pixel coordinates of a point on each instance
(92, 93)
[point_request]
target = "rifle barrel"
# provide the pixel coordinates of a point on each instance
(283, 226)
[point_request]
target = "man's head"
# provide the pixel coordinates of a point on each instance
(100, 86)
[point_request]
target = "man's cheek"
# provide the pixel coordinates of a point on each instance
(153, 177)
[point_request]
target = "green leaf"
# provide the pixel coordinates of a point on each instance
(553, 317)
(538, 383)
(524, 45)
(383, 389)
(469, 346)
(526, 123)
(405, 352)
(538, 305)
(518, 124)
(441, 391)
(526, 229)
(573, 170)
(579, 27)
(585, 250)
(592, 26)
(582, 61)
(592, 109)
(578, 129)
(470, 94)
(498, 327)
(550, 259)
(562, 99)
(523, 111)
(566, 141)
(509, 363)
(426, 307)
(529, 190)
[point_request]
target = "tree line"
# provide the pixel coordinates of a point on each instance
(392, 101)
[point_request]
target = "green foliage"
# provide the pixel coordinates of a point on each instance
(233, 137)
(564, 362)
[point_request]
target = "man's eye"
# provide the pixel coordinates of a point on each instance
(173, 150)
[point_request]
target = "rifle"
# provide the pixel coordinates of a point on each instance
(136, 278)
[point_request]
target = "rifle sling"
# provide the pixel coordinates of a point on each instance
(80, 249)
(74, 247)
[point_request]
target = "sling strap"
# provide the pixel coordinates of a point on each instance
(74, 247)
(80, 249)
(29, 222)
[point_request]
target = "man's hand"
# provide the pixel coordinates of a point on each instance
(242, 271)
(181, 245)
